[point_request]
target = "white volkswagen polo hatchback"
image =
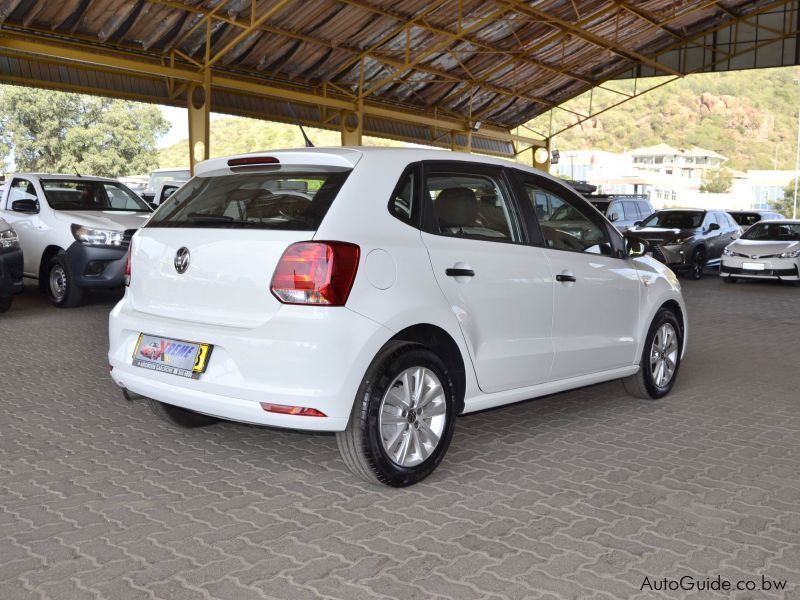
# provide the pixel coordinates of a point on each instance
(378, 293)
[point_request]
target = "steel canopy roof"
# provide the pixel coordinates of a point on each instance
(418, 70)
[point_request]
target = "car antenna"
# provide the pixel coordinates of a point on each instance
(78, 174)
(309, 143)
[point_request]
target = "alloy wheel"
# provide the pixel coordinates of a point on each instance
(664, 355)
(412, 416)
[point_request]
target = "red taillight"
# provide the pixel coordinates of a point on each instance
(248, 161)
(300, 411)
(128, 268)
(316, 273)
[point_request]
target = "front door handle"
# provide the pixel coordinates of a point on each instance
(454, 272)
(564, 278)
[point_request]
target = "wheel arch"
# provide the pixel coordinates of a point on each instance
(675, 307)
(49, 252)
(442, 344)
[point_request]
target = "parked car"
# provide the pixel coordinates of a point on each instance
(161, 176)
(74, 231)
(746, 218)
(378, 293)
(10, 266)
(165, 191)
(687, 240)
(767, 250)
(623, 211)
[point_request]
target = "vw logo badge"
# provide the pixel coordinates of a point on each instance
(182, 259)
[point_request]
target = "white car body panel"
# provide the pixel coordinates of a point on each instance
(317, 356)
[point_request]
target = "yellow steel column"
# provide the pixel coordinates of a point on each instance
(541, 156)
(351, 123)
(198, 103)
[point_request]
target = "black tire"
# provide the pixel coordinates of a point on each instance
(361, 444)
(57, 274)
(180, 417)
(698, 264)
(642, 384)
(5, 303)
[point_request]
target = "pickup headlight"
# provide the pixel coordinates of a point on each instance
(97, 237)
(9, 239)
(792, 254)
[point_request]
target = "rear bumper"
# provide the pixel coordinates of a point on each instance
(94, 266)
(303, 356)
(10, 272)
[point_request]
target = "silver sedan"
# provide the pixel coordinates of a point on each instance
(767, 250)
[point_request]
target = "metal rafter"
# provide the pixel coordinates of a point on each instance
(584, 34)
(73, 53)
(685, 43)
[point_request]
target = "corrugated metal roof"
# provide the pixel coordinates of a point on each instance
(502, 62)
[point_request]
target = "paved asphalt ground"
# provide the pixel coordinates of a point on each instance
(579, 495)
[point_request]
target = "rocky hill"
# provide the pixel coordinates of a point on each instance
(748, 116)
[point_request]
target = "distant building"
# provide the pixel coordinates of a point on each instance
(671, 176)
(691, 163)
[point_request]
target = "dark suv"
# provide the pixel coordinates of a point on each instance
(687, 240)
(622, 211)
(746, 218)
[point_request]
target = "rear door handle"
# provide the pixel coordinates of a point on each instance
(566, 278)
(454, 272)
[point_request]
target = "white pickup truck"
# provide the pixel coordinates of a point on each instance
(74, 231)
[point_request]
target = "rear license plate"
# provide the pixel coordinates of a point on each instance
(748, 266)
(176, 357)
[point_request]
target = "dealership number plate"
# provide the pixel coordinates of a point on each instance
(753, 266)
(176, 357)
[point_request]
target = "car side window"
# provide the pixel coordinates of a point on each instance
(119, 200)
(402, 203)
(708, 220)
(568, 227)
(645, 209)
(472, 206)
(615, 211)
(631, 212)
(21, 189)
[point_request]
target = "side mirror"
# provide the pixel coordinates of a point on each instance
(25, 206)
(614, 216)
(635, 247)
(637, 223)
(713, 226)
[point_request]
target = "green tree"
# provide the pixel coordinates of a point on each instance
(56, 132)
(785, 205)
(718, 181)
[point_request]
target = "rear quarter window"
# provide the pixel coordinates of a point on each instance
(282, 198)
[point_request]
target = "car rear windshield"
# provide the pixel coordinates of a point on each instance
(675, 219)
(282, 198)
(745, 219)
(83, 194)
(773, 232)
